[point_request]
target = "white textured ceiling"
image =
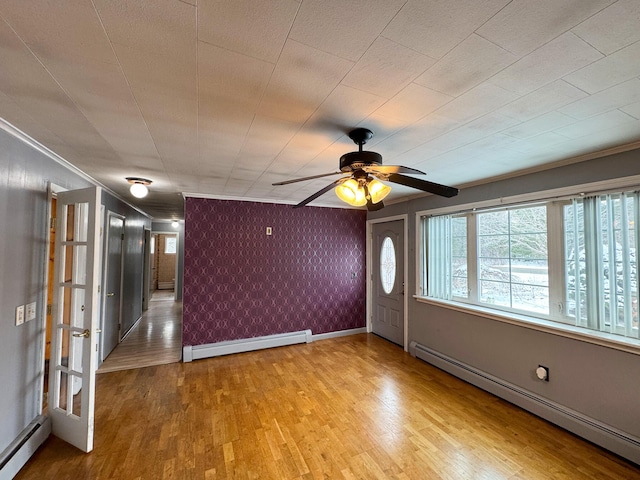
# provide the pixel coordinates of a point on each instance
(223, 98)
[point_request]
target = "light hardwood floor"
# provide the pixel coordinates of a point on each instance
(349, 408)
(155, 340)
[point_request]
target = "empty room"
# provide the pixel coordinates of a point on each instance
(300, 239)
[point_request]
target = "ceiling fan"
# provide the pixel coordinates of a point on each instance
(359, 187)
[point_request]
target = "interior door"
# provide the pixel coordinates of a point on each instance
(388, 281)
(146, 284)
(75, 317)
(113, 284)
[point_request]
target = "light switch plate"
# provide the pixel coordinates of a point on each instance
(20, 315)
(31, 311)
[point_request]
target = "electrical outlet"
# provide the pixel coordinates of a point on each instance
(20, 315)
(31, 311)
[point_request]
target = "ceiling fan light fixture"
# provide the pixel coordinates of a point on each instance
(362, 189)
(378, 190)
(138, 186)
(352, 193)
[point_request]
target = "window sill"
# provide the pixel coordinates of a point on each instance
(603, 339)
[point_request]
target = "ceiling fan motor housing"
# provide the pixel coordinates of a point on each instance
(352, 161)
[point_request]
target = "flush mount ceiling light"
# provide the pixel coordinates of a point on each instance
(138, 186)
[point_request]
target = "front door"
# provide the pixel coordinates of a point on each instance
(113, 283)
(388, 281)
(75, 317)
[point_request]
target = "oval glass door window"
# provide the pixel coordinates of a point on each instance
(387, 265)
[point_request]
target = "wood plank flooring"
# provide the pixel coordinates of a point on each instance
(155, 340)
(349, 408)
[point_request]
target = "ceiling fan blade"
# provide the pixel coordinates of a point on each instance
(391, 169)
(318, 193)
(424, 185)
(286, 182)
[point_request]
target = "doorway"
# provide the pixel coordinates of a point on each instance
(388, 301)
(80, 290)
(48, 317)
(157, 338)
(164, 261)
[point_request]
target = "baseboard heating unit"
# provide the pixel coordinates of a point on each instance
(601, 434)
(13, 458)
(208, 350)
(197, 352)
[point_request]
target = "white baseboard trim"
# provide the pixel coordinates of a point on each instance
(606, 436)
(126, 334)
(339, 333)
(190, 353)
(14, 457)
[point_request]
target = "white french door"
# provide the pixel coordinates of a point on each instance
(74, 338)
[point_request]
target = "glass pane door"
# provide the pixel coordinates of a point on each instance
(74, 317)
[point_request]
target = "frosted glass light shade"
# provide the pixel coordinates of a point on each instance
(139, 190)
(138, 186)
(378, 190)
(351, 192)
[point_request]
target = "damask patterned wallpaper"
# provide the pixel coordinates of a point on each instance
(240, 282)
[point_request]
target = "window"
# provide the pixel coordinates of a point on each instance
(387, 265)
(600, 264)
(170, 245)
(513, 260)
(570, 261)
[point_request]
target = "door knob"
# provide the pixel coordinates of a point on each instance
(110, 294)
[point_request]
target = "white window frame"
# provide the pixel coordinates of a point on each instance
(556, 323)
(473, 297)
(170, 239)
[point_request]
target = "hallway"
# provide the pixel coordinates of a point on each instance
(155, 340)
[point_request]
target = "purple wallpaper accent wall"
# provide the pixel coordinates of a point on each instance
(240, 282)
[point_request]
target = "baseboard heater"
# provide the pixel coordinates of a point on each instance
(196, 352)
(165, 285)
(601, 434)
(13, 458)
